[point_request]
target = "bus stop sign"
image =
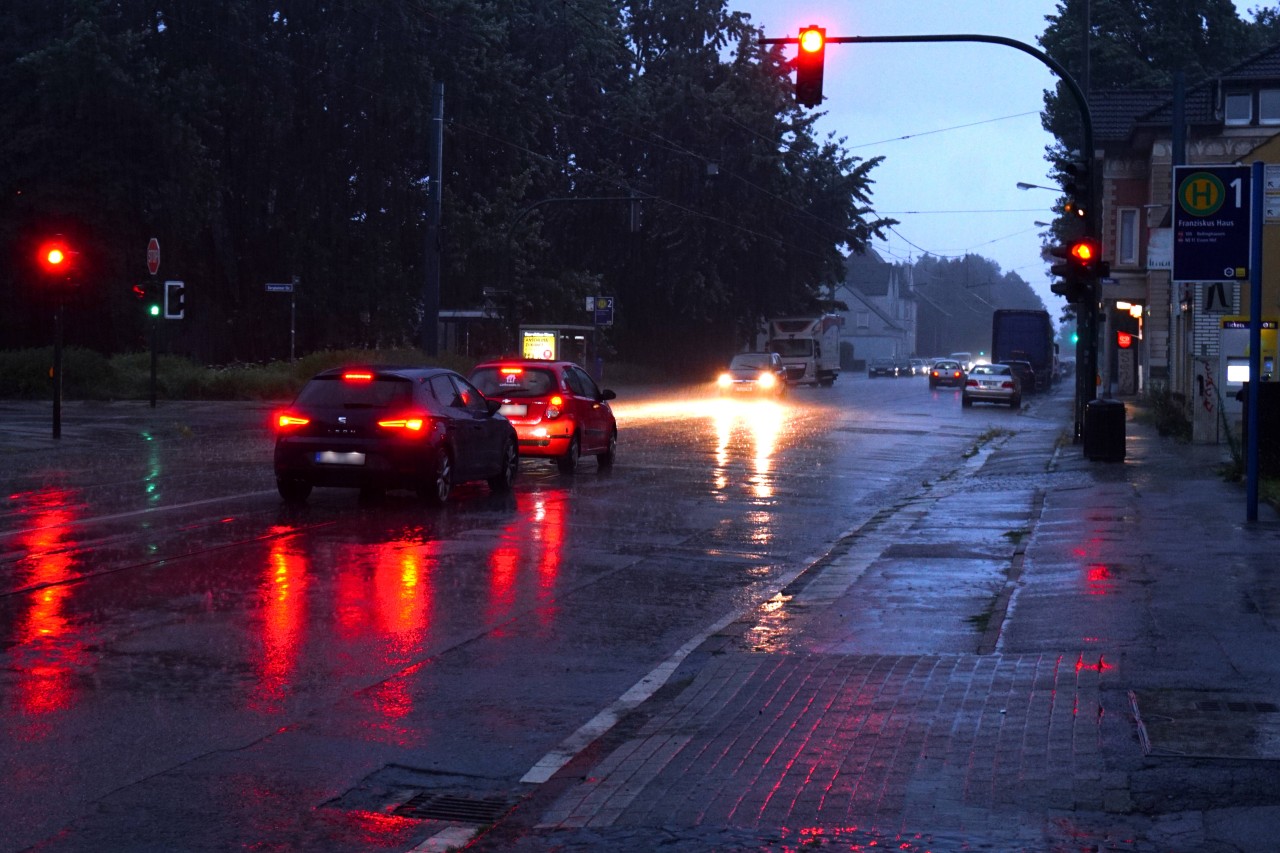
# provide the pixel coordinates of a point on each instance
(1211, 223)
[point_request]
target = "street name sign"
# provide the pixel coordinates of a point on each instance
(1211, 223)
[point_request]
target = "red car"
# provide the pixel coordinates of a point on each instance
(556, 407)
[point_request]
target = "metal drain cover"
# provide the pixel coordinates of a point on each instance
(1206, 723)
(437, 805)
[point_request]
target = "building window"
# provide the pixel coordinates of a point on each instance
(1127, 236)
(1269, 106)
(1238, 108)
(864, 319)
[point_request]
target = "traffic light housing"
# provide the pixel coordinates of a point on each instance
(148, 292)
(809, 63)
(1080, 267)
(1077, 185)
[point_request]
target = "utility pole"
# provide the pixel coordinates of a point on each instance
(429, 336)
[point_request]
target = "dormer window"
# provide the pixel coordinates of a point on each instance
(1237, 108)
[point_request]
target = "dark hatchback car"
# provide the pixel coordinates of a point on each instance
(882, 367)
(1025, 372)
(376, 428)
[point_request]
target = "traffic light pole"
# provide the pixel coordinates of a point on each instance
(57, 370)
(155, 322)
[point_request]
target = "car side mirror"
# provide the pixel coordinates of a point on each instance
(607, 394)
(493, 405)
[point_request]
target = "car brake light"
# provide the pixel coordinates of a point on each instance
(511, 371)
(413, 423)
(285, 420)
(553, 406)
(357, 376)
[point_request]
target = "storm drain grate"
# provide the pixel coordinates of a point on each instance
(430, 805)
(1240, 707)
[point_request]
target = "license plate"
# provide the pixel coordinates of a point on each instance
(332, 457)
(518, 410)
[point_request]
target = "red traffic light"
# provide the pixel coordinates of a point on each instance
(813, 39)
(1085, 252)
(54, 257)
(813, 49)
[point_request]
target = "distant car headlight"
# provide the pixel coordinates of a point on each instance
(767, 380)
(724, 380)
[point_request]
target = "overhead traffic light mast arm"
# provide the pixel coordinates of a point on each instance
(1086, 121)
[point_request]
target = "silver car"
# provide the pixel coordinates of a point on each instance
(991, 383)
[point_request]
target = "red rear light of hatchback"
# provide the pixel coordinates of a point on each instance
(409, 424)
(287, 420)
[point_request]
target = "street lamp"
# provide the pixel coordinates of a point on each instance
(1023, 185)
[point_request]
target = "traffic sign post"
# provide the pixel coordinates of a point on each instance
(289, 287)
(1212, 207)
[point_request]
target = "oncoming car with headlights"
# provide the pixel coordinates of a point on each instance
(754, 374)
(380, 427)
(558, 411)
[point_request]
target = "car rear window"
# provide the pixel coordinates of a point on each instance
(377, 393)
(514, 381)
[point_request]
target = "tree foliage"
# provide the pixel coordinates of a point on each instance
(1142, 44)
(260, 141)
(955, 298)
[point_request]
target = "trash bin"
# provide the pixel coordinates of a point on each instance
(1268, 426)
(1104, 430)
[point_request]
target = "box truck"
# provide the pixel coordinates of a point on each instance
(809, 346)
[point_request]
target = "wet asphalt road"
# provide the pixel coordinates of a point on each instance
(189, 664)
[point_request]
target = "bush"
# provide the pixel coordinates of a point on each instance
(1164, 411)
(87, 375)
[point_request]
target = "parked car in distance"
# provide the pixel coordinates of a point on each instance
(883, 366)
(946, 372)
(991, 383)
(1025, 372)
(378, 427)
(558, 411)
(759, 374)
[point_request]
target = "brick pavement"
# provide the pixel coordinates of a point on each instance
(933, 691)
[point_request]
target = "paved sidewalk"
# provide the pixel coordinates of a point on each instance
(1039, 653)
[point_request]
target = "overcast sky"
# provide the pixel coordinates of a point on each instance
(957, 124)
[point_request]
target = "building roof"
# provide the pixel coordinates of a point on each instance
(869, 274)
(1118, 113)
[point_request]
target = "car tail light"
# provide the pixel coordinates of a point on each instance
(935, 374)
(553, 406)
(972, 383)
(408, 423)
(357, 376)
(1007, 385)
(511, 371)
(288, 420)
(956, 374)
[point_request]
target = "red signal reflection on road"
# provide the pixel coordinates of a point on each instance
(282, 631)
(49, 650)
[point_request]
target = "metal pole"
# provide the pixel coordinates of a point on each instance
(429, 335)
(57, 370)
(1255, 342)
(293, 317)
(154, 333)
